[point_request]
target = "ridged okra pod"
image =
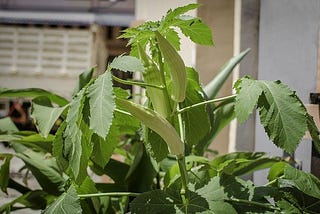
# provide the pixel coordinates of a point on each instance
(177, 68)
(159, 97)
(157, 123)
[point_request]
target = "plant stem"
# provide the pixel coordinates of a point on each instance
(206, 102)
(252, 203)
(127, 82)
(119, 194)
(182, 163)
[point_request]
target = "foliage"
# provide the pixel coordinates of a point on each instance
(154, 154)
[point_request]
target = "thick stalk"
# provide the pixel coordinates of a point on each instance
(182, 164)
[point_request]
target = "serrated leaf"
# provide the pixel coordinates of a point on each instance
(44, 114)
(314, 132)
(247, 99)
(5, 171)
(281, 112)
(195, 29)
(102, 105)
(168, 201)
(127, 64)
(103, 148)
(196, 120)
(305, 182)
(171, 14)
(73, 133)
(173, 37)
(67, 203)
(57, 147)
(156, 146)
(32, 93)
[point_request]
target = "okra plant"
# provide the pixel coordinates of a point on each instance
(154, 152)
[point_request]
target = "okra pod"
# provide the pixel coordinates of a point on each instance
(177, 68)
(157, 123)
(151, 75)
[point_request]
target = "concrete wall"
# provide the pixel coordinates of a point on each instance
(154, 10)
(219, 15)
(288, 51)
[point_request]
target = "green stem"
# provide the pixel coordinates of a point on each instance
(118, 194)
(205, 102)
(251, 203)
(122, 112)
(182, 164)
(274, 181)
(127, 82)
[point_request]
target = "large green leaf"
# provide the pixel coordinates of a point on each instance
(213, 87)
(196, 120)
(127, 63)
(77, 135)
(6, 125)
(67, 203)
(32, 199)
(43, 167)
(33, 92)
(240, 163)
(5, 171)
(84, 79)
(168, 201)
(102, 105)
(281, 112)
(44, 114)
(57, 147)
(103, 148)
(305, 182)
(247, 99)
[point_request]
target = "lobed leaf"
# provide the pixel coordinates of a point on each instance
(281, 113)
(67, 203)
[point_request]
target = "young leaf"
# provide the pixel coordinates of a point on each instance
(127, 64)
(67, 203)
(213, 87)
(43, 167)
(4, 171)
(195, 29)
(44, 114)
(172, 14)
(101, 100)
(73, 133)
(83, 79)
(281, 112)
(33, 92)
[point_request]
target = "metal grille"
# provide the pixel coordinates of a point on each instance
(44, 50)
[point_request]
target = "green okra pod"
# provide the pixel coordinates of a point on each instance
(176, 67)
(157, 123)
